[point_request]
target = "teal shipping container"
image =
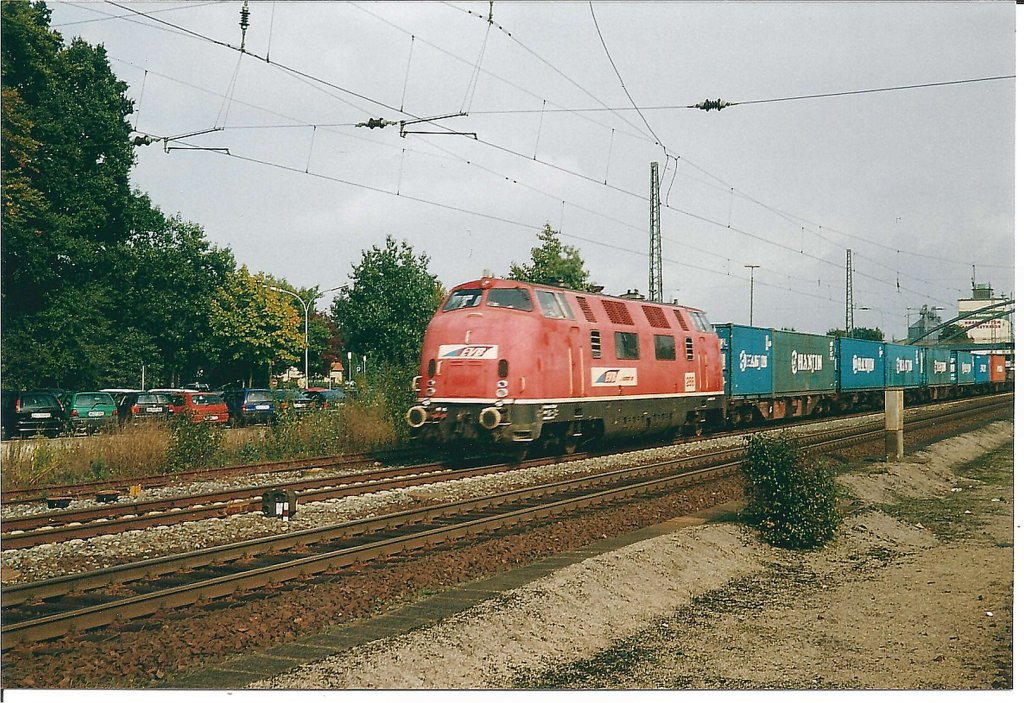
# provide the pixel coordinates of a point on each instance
(803, 363)
(746, 360)
(964, 368)
(902, 366)
(938, 369)
(861, 364)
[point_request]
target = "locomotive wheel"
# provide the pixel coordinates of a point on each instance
(570, 444)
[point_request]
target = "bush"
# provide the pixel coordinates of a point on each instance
(193, 445)
(791, 498)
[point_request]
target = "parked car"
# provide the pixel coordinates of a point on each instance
(199, 405)
(250, 405)
(293, 400)
(326, 397)
(28, 413)
(143, 405)
(91, 411)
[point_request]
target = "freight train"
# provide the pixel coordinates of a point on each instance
(518, 364)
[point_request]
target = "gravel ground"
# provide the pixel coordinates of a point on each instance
(76, 556)
(139, 654)
(889, 604)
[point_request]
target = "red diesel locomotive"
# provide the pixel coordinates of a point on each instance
(508, 362)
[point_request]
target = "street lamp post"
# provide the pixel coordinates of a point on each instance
(305, 310)
(752, 267)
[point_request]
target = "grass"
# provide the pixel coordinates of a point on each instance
(139, 450)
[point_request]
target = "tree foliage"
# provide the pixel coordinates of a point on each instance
(384, 311)
(96, 280)
(254, 330)
(869, 333)
(552, 263)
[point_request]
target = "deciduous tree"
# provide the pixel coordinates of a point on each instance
(552, 263)
(384, 311)
(253, 329)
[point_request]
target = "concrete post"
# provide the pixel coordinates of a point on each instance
(893, 424)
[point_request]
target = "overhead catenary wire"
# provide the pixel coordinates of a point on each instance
(327, 83)
(622, 82)
(485, 215)
(321, 81)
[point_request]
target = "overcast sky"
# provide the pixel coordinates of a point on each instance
(918, 182)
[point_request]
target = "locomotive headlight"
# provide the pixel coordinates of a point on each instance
(501, 392)
(431, 391)
(502, 383)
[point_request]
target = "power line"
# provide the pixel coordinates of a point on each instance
(524, 111)
(619, 75)
(491, 144)
(455, 208)
(190, 6)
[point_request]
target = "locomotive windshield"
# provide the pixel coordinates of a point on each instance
(514, 298)
(465, 298)
(701, 320)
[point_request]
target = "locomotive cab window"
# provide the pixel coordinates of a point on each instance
(664, 347)
(701, 320)
(465, 298)
(554, 305)
(627, 345)
(514, 298)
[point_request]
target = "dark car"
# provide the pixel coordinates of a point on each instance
(91, 411)
(248, 406)
(28, 413)
(326, 397)
(291, 400)
(143, 405)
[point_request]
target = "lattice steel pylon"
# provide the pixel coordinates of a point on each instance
(849, 292)
(655, 278)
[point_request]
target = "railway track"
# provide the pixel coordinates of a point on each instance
(62, 525)
(91, 489)
(50, 608)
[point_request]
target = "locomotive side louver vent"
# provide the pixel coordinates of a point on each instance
(617, 311)
(682, 320)
(655, 316)
(585, 306)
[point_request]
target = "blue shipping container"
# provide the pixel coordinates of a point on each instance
(981, 370)
(902, 366)
(746, 359)
(964, 368)
(861, 364)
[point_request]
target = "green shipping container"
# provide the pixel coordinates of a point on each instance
(803, 363)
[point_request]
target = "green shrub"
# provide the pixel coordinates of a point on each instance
(193, 445)
(791, 498)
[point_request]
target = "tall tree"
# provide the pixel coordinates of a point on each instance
(552, 263)
(254, 330)
(66, 158)
(384, 311)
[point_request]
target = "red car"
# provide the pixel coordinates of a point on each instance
(202, 406)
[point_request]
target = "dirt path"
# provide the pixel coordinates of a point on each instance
(915, 593)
